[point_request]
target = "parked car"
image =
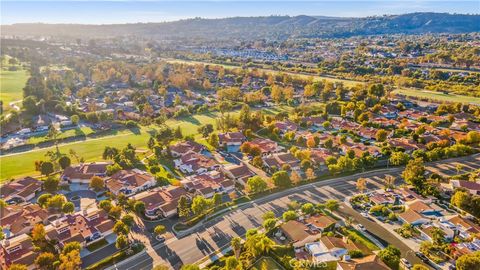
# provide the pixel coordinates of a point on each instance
(406, 263)
(364, 214)
(361, 227)
(422, 257)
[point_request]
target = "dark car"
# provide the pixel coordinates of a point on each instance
(422, 257)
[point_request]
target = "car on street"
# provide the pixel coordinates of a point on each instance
(422, 257)
(406, 263)
(364, 214)
(361, 227)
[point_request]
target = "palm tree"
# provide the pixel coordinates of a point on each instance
(265, 244)
(389, 181)
(458, 167)
(236, 244)
(348, 221)
(361, 184)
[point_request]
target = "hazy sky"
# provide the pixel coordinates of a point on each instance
(123, 11)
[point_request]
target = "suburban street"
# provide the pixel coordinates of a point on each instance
(215, 234)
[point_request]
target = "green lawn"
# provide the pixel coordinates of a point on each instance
(22, 164)
(69, 133)
(11, 85)
(437, 96)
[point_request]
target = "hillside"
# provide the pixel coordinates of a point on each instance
(271, 27)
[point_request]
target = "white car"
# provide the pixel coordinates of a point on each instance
(364, 214)
(361, 227)
(406, 263)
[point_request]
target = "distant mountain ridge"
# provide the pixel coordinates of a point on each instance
(270, 27)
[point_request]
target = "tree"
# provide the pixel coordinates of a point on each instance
(105, 205)
(381, 135)
(75, 119)
(46, 168)
(310, 173)
(120, 228)
(45, 260)
(122, 242)
(16, 266)
(390, 256)
(159, 230)
(64, 162)
(231, 263)
(459, 167)
(269, 224)
(295, 177)
(53, 134)
(213, 140)
(183, 208)
(289, 215)
(43, 199)
(217, 199)
(281, 179)
(256, 184)
(96, 183)
(308, 209)
(71, 246)
(332, 205)
(399, 158)
(469, 261)
(389, 181)
(38, 233)
(236, 244)
(200, 205)
(139, 207)
(361, 184)
(414, 173)
(128, 220)
(51, 184)
(268, 215)
(68, 207)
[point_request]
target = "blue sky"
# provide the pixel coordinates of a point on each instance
(124, 11)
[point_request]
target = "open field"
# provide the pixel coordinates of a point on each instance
(348, 83)
(22, 164)
(437, 96)
(11, 84)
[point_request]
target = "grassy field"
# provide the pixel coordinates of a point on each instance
(66, 134)
(22, 164)
(437, 96)
(11, 83)
(348, 83)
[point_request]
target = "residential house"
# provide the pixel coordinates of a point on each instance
(320, 223)
(208, 183)
(472, 187)
(182, 148)
(22, 190)
(17, 250)
(276, 162)
(295, 231)
(266, 146)
(239, 173)
(84, 172)
(330, 248)
(161, 202)
(465, 227)
(231, 140)
(130, 182)
(84, 227)
(286, 126)
(194, 162)
(17, 220)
